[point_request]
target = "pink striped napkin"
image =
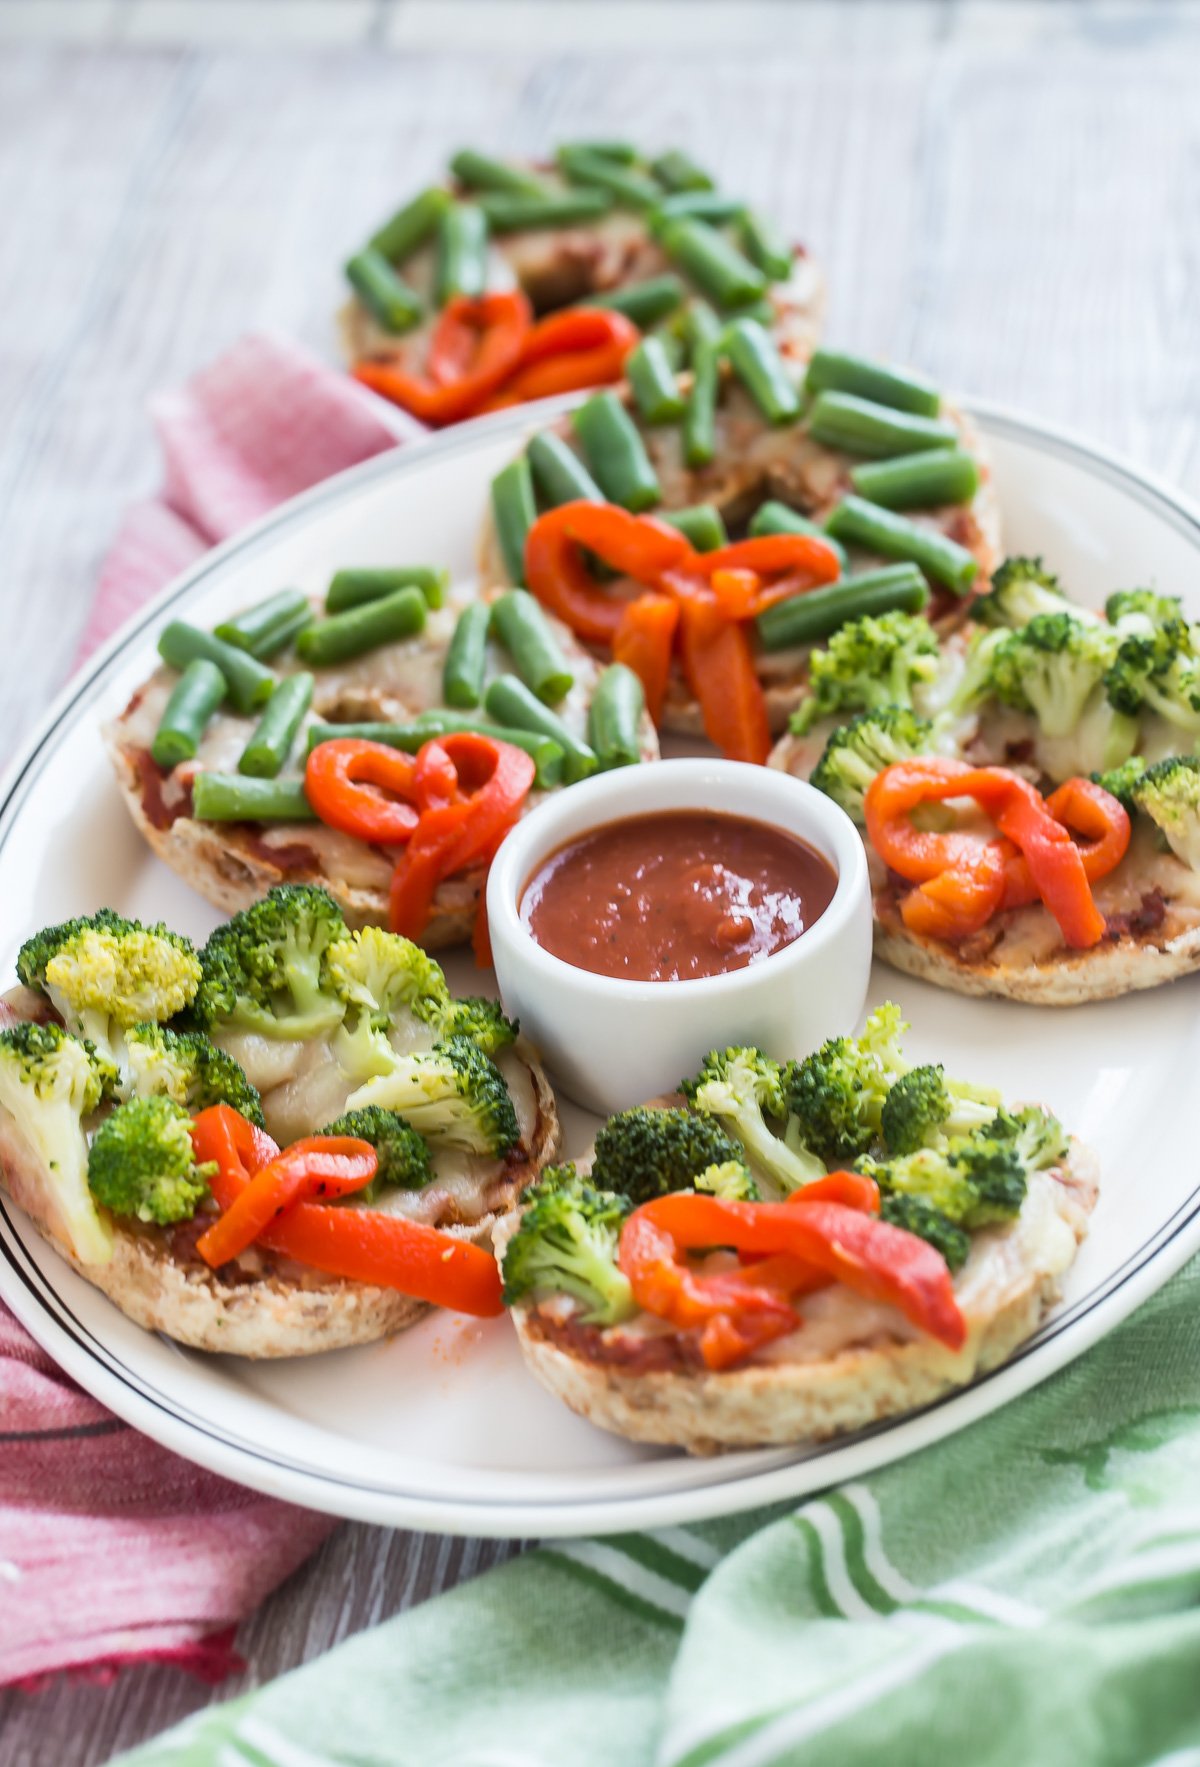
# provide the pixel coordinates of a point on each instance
(112, 1550)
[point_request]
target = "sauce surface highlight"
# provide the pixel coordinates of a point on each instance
(677, 896)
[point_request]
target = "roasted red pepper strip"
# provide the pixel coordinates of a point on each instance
(580, 347)
(736, 592)
(344, 781)
(358, 1244)
(876, 1260)
(643, 642)
(321, 1166)
(718, 664)
(637, 546)
(502, 322)
(961, 872)
(795, 556)
(1084, 808)
(459, 827)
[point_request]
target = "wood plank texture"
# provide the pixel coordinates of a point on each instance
(1003, 194)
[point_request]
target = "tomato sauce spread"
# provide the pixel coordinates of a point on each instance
(674, 897)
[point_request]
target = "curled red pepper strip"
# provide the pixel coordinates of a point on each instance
(464, 821)
(358, 1244)
(964, 876)
(321, 1166)
(344, 780)
(556, 569)
(579, 347)
(794, 556)
(826, 1240)
(1086, 809)
(501, 322)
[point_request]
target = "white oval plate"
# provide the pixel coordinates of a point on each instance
(441, 1428)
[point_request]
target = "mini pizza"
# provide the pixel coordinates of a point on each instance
(517, 281)
(329, 766)
(788, 1251)
(293, 1140)
(844, 477)
(1028, 792)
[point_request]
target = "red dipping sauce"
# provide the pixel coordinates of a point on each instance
(676, 896)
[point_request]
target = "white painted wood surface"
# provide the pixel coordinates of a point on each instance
(1003, 194)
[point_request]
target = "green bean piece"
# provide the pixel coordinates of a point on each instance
(679, 172)
(515, 214)
(765, 246)
(701, 327)
(615, 452)
(250, 684)
(361, 629)
(194, 698)
(760, 368)
(835, 372)
(718, 268)
(918, 481)
(385, 295)
(466, 656)
(269, 626)
(514, 513)
(615, 716)
(510, 702)
(712, 206)
(461, 253)
(478, 171)
(762, 312)
(231, 797)
(673, 346)
(655, 388)
(777, 518)
(559, 474)
(633, 190)
(623, 152)
(815, 613)
(700, 418)
(643, 302)
(843, 420)
(524, 631)
(410, 226)
(859, 523)
(547, 755)
(266, 753)
(702, 524)
(358, 584)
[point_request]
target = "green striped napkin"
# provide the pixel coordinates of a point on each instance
(1027, 1592)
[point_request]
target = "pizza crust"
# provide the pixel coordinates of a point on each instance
(779, 1402)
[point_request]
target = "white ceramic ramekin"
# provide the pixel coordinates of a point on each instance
(610, 1043)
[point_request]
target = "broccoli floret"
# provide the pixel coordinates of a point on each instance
(1051, 667)
(142, 1163)
(190, 1070)
(1169, 794)
(567, 1244)
(731, 1181)
(1159, 672)
(1039, 1139)
(861, 749)
(644, 1153)
(404, 1162)
(387, 975)
(482, 1021)
(452, 1094)
(1120, 781)
(105, 973)
(868, 663)
(267, 969)
(742, 1087)
(975, 685)
(974, 1180)
(923, 1109)
(1021, 589)
(48, 1084)
(837, 1094)
(1142, 611)
(915, 1215)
